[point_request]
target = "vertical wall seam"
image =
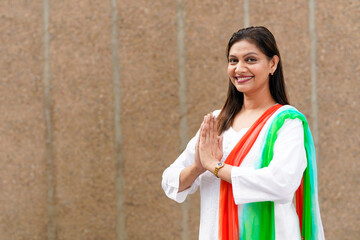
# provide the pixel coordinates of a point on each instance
(246, 13)
(313, 70)
(120, 199)
(51, 226)
(183, 127)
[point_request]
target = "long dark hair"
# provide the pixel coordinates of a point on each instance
(265, 41)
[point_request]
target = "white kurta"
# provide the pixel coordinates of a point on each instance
(277, 182)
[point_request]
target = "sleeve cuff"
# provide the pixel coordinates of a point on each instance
(171, 186)
(238, 193)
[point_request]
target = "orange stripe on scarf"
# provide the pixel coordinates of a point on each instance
(299, 202)
(228, 211)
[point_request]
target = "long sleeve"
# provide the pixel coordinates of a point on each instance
(171, 175)
(278, 181)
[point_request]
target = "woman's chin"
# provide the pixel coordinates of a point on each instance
(242, 89)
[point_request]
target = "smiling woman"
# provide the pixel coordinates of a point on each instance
(252, 157)
(249, 68)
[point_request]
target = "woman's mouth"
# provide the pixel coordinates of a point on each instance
(243, 79)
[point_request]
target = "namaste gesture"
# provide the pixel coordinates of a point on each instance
(210, 144)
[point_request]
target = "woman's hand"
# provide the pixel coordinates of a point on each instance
(210, 147)
(197, 161)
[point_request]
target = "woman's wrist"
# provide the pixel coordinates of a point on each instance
(198, 170)
(212, 164)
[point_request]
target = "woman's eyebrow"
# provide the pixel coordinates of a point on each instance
(244, 55)
(250, 54)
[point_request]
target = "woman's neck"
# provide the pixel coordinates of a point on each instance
(251, 110)
(258, 102)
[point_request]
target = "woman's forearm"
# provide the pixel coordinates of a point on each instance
(224, 173)
(188, 176)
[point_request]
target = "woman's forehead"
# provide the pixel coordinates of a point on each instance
(244, 47)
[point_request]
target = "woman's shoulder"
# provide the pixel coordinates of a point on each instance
(288, 117)
(289, 110)
(288, 107)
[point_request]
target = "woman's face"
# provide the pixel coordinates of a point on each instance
(249, 68)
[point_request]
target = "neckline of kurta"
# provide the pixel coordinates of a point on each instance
(241, 131)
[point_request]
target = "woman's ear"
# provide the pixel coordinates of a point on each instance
(273, 64)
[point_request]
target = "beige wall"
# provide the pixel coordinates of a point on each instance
(97, 98)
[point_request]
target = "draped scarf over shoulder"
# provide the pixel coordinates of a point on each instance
(257, 220)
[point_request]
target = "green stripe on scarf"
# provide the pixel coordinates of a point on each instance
(259, 218)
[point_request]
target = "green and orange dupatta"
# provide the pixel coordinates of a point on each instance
(257, 220)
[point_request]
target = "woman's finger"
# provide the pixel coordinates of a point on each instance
(221, 142)
(202, 134)
(198, 141)
(207, 123)
(211, 123)
(203, 130)
(215, 126)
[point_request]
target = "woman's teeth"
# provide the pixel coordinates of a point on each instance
(243, 79)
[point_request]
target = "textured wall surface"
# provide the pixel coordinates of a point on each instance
(82, 113)
(97, 98)
(338, 83)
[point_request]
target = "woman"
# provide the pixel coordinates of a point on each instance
(250, 158)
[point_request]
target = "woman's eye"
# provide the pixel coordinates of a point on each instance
(250, 60)
(233, 60)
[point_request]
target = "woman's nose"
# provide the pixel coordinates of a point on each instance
(240, 68)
